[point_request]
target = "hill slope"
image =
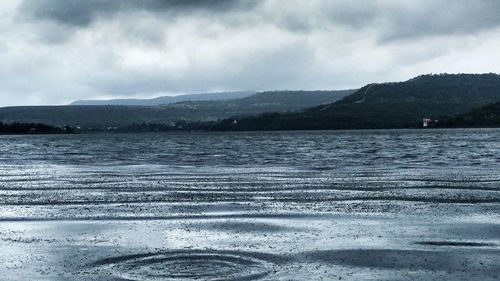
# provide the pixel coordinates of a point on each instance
(119, 115)
(168, 99)
(485, 116)
(388, 105)
(276, 101)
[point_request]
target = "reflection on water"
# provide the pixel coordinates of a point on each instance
(356, 205)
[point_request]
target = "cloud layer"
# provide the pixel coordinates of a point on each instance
(56, 51)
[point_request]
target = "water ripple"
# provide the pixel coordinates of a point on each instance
(188, 265)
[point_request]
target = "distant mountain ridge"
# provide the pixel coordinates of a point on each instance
(271, 101)
(206, 110)
(386, 105)
(465, 99)
(164, 100)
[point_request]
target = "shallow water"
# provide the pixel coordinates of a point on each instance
(349, 205)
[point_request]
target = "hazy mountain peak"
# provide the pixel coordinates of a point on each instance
(163, 100)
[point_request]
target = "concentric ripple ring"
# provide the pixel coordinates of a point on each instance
(188, 265)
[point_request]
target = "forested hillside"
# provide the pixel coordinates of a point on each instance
(387, 105)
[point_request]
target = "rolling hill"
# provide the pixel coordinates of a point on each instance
(121, 115)
(169, 99)
(387, 105)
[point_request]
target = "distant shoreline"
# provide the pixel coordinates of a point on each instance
(244, 131)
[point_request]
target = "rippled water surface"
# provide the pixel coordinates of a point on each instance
(340, 205)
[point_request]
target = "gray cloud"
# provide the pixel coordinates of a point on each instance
(56, 51)
(83, 13)
(389, 19)
(394, 20)
(444, 18)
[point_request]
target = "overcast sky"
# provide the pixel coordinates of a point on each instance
(57, 51)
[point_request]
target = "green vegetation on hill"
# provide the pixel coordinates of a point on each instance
(387, 105)
(32, 128)
(485, 116)
(194, 111)
(464, 100)
(264, 102)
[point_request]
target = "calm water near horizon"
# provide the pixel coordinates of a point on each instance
(336, 205)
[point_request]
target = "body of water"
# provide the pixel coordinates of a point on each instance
(336, 205)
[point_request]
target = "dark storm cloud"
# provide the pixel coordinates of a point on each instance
(83, 13)
(388, 19)
(393, 20)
